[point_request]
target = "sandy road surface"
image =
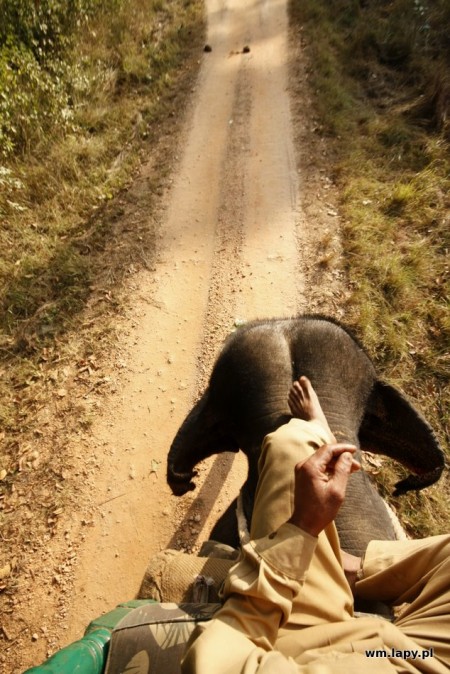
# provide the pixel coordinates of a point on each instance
(229, 252)
(234, 246)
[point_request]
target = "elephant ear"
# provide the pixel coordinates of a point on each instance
(393, 427)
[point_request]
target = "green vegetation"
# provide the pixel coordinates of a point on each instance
(85, 87)
(380, 76)
(38, 77)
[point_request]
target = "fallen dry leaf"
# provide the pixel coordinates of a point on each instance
(373, 460)
(154, 466)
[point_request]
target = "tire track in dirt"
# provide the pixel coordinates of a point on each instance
(256, 231)
(256, 264)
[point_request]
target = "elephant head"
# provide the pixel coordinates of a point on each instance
(247, 398)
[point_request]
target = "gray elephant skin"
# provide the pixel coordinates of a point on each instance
(247, 398)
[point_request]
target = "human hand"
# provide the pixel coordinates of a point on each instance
(320, 484)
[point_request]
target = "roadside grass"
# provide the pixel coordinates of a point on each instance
(64, 245)
(377, 73)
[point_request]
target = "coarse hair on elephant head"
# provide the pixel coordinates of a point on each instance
(247, 398)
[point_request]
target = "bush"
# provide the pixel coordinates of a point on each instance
(32, 99)
(47, 26)
(36, 73)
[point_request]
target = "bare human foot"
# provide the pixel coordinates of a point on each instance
(304, 403)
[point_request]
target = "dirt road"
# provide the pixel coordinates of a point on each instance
(229, 252)
(234, 246)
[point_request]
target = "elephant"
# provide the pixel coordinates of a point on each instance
(247, 398)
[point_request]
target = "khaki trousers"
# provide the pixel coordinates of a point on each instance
(322, 622)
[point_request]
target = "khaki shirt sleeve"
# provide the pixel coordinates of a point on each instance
(259, 592)
(258, 595)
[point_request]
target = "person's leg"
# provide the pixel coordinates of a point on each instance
(326, 595)
(281, 451)
(418, 573)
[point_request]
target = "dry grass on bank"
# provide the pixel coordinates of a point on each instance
(58, 226)
(379, 76)
(71, 233)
